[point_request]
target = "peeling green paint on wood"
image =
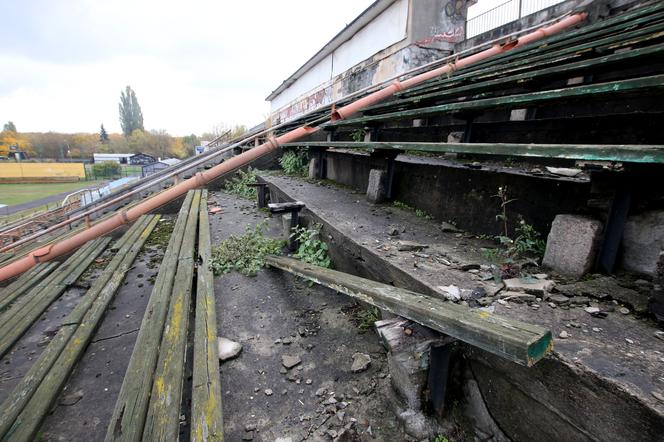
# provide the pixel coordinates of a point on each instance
(630, 153)
(516, 341)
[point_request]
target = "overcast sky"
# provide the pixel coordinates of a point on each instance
(193, 64)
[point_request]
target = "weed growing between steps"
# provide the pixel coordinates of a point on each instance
(367, 318)
(526, 247)
(311, 249)
(294, 163)
(244, 253)
(418, 212)
(239, 184)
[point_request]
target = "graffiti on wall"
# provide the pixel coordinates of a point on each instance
(311, 102)
(452, 28)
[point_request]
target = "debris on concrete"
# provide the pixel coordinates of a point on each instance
(572, 244)
(71, 398)
(450, 292)
(604, 287)
(215, 210)
(517, 297)
(410, 246)
(529, 285)
(361, 362)
(228, 349)
(563, 335)
(449, 228)
(290, 361)
(563, 171)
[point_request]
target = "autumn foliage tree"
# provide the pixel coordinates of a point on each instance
(11, 141)
(131, 116)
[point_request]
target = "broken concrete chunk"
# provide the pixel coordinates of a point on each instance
(572, 244)
(450, 292)
(564, 171)
(563, 335)
(529, 285)
(558, 298)
(450, 228)
(227, 349)
(290, 361)
(361, 362)
(603, 287)
(517, 297)
(410, 246)
(71, 398)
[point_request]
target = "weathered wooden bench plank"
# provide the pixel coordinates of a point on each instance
(517, 341)
(20, 316)
(162, 422)
(22, 413)
(206, 411)
(25, 283)
(131, 406)
(641, 85)
(592, 152)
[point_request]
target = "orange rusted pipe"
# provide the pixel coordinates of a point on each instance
(376, 97)
(200, 179)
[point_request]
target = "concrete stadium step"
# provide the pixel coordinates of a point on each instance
(607, 369)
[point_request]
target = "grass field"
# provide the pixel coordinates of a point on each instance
(11, 194)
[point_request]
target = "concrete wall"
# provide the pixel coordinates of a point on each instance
(388, 28)
(453, 192)
(407, 34)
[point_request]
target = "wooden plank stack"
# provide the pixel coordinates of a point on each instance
(149, 404)
(23, 411)
(20, 316)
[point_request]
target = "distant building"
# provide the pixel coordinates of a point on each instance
(158, 165)
(125, 158)
(120, 158)
(204, 147)
(142, 159)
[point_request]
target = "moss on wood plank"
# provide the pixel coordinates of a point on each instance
(31, 399)
(206, 409)
(516, 341)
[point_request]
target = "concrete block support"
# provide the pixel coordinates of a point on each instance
(572, 244)
(377, 187)
(643, 241)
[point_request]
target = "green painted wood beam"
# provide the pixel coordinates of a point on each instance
(510, 80)
(514, 340)
(652, 154)
(601, 90)
(570, 42)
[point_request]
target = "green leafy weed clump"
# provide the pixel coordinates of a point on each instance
(244, 253)
(311, 249)
(239, 184)
(294, 163)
